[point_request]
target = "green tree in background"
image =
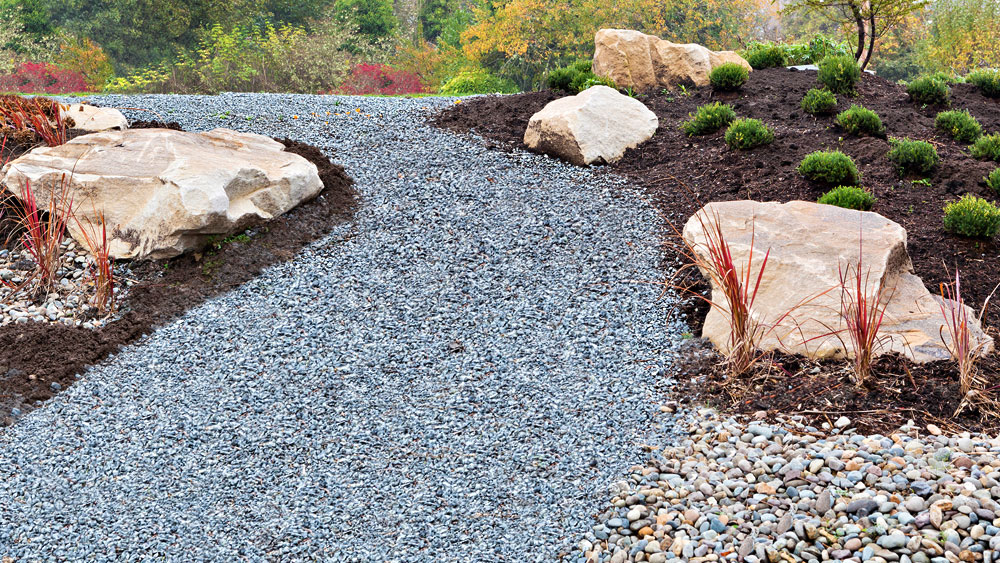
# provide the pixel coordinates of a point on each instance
(373, 18)
(133, 32)
(137, 33)
(434, 15)
(32, 15)
(872, 19)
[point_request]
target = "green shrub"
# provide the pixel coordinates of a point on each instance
(929, 91)
(858, 120)
(972, 216)
(959, 125)
(946, 77)
(910, 156)
(765, 55)
(993, 181)
(561, 78)
(748, 133)
(818, 48)
(709, 118)
(576, 78)
(587, 79)
(819, 102)
(987, 147)
(840, 73)
(258, 59)
(728, 76)
(987, 80)
(831, 167)
(477, 81)
(849, 197)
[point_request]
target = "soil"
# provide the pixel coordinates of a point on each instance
(33, 356)
(679, 174)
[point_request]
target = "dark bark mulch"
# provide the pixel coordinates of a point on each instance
(35, 355)
(679, 174)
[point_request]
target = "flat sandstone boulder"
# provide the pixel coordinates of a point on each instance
(809, 242)
(165, 192)
(645, 62)
(594, 126)
(92, 118)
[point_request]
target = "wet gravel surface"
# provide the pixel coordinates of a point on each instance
(457, 376)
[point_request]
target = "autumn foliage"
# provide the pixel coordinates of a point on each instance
(535, 36)
(380, 79)
(87, 59)
(42, 78)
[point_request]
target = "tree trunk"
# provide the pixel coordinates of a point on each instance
(859, 19)
(871, 42)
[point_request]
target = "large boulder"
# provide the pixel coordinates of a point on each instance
(646, 62)
(594, 126)
(92, 118)
(164, 192)
(809, 243)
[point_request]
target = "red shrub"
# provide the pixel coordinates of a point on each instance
(42, 78)
(380, 79)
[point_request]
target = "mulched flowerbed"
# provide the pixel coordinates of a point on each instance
(679, 174)
(33, 356)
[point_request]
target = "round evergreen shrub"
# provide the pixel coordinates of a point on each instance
(748, 133)
(987, 80)
(946, 77)
(830, 167)
(576, 78)
(765, 55)
(929, 91)
(477, 81)
(915, 157)
(561, 78)
(839, 73)
(708, 119)
(972, 216)
(728, 76)
(959, 125)
(987, 147)
(819, 102)
(993, 181)
(860, 121)
(849, 197)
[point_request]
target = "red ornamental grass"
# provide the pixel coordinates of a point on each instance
(102, 272)
(380, 79)
(963, 348)
(40, 116)
(957, 323)
(739, 287)
(863, 312)
(44, 232)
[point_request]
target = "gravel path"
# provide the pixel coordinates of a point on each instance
(457, 376)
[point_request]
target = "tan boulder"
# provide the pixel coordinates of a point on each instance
(92, 118)
(165, 192)
(808, 244)
(595, 126)
(646, 62)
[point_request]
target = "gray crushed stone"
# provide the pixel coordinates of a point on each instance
(457, 375)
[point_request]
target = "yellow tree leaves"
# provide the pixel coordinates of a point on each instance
(537, 35)
(964, 35)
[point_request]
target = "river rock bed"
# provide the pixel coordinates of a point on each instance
(748, 491)
(67, 303)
